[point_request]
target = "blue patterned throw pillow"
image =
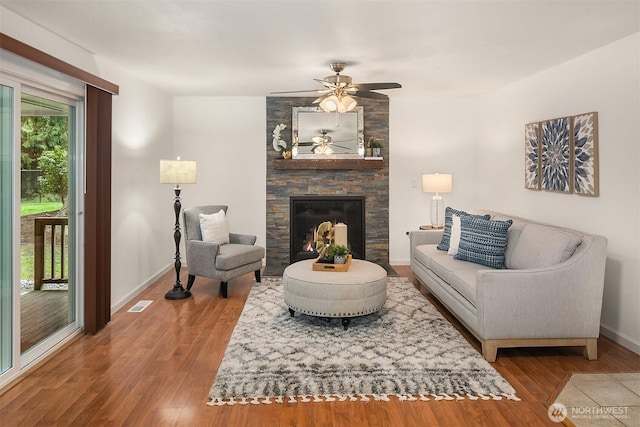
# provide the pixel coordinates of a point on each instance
(483, 241)
(448, 222)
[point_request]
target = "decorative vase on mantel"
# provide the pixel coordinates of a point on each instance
(286, 154)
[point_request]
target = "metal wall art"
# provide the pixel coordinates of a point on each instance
(562, 155)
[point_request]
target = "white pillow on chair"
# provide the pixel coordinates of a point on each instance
(214, 228)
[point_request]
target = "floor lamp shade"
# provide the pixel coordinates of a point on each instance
(177, 172)
(437, 183)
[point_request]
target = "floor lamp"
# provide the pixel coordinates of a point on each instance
(437, 183)
(177, 172)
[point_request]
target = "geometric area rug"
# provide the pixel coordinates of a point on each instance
(406, 351)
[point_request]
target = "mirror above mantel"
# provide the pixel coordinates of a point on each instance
(320, 135)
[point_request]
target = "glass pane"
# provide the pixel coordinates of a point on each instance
(72, 215)
(6, 216)
(44, 227)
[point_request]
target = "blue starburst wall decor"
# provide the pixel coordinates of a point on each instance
(585, 154)
(532, 156)
(561, 155)
(556, 155)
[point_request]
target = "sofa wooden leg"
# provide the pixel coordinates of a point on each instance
(257, 273)
(489, 351)
(223, 289)
(190, 281)
(591, 349)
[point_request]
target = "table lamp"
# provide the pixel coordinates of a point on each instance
(437, 183)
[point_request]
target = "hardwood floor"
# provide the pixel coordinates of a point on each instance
(155, 368)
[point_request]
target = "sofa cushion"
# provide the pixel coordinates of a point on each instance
(512, 238)
(448, 221)
(425, 254)
(464, 281)
(445, 266)
(541, 246)
(483, 241)
(460, 275)
(214, 227)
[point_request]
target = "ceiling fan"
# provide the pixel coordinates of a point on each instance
(321, 144)
(339, 91)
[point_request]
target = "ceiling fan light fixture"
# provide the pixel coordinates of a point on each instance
(348, 103)
(330, 104)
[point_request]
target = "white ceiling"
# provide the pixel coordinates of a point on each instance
(221, 48)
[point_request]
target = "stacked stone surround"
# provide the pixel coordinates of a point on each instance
(281, 184)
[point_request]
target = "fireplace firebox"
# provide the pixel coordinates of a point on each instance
(308, 212)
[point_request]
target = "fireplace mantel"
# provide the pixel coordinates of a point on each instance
(326, 164)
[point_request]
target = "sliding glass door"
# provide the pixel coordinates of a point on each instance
(47, 226)
(42, 178)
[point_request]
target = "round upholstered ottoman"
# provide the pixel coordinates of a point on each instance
(359, 291)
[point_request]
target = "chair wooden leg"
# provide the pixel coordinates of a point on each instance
(190, 281)
(258, 276)
(223, 289)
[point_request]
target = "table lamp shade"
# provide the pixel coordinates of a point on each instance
(177, 171)
(437, 183)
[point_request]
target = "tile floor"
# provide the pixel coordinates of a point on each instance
(602, 399)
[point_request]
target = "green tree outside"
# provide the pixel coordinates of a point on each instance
(39, 134)
(55, 172)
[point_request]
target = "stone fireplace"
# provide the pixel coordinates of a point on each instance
(283, 184)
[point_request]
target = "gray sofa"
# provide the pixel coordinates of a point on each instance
(548, 294)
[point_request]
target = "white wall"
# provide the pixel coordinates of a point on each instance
(142, 209)
(428, 135)
(25, 31)
(227, 136)
(607, 81)
(142, 213)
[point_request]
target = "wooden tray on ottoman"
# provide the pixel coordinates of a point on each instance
(323, 266)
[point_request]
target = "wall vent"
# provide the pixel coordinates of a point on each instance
(140, 306)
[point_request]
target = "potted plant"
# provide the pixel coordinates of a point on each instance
(339, 253)
(376, 145)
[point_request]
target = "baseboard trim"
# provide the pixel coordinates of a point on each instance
(144, 285)
(623, 340)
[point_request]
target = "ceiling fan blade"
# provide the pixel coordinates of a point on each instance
(319, 100)
(298, 91)
(366, 94)
(377, 86)
(340, 146)
(328, 85)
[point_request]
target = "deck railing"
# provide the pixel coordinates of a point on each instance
(49, 233)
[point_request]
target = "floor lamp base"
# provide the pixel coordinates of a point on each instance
(178, 292)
